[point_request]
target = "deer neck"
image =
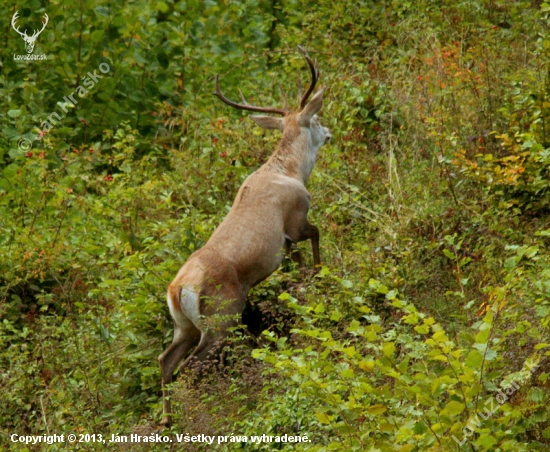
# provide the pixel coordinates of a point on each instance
(295, 155)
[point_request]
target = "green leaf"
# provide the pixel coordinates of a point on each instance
(320, 308)
(323, 418)
(354, 326)
(453, 408)
(336, 315)
(474, 359)
(449, 254)
(486, 440)
(162, 7)
(483, 336)
(163, 59)
(346, 283)
(96, 35)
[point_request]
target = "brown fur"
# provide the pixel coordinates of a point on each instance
(269, 214)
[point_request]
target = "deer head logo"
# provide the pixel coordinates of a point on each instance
(29, 40)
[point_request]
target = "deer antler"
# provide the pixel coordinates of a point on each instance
(314, 76)
(36, 33)
(278, 111)
(245, 105)
(13, 20)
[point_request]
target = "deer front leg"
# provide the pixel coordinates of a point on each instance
(311, 232)
(307, 232)
(314, 237)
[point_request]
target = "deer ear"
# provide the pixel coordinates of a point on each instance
(268, 122)
(312, 108)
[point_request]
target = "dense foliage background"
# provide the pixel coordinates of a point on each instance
(427, 328)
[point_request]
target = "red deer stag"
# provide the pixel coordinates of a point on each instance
(268, 216)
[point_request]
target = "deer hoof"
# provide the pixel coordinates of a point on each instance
(165, 423)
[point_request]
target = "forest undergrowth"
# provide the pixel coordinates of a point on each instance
(426, 328)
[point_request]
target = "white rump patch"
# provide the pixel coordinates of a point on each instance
(189, 304)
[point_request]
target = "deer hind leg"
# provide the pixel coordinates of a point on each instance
(292, 250)
(228, 305)
(210, 343)
(186, 337)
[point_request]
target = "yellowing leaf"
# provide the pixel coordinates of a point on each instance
(323, 418)
(441, 358)
(422, 329)
(349, 351)
(348, 373)
(439, 336)
(407, 448)
(388, 349)
(376, 409)
(488, 317)
(366, 365)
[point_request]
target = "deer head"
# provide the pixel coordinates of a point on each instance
(29, 40)
(303, 121)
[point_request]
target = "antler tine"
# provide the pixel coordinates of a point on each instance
(13, 20)
(45, 23)
(315, 73)
(37, 32)
(246, 106)
(244, 101)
